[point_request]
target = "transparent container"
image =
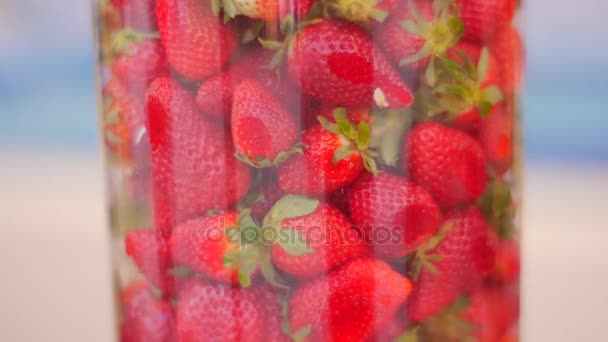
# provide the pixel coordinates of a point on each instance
(330, 170)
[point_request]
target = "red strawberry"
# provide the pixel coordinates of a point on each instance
(123, 117)
(263, 132)
(325, 237)
(209, 312)
(146, 318)
(395, 215)
(484, 19)
(477, 86)
(198, 44)
(496, 138)
(137, 14)
(267, 10)
(351, 304)
(194, 169)
(270, 300)
(507, 261)
(334, 156)
(413, 34)
(335, 61)
(151, 254)
(508, 49)
(201, 244)
(140, 61)
(458, 258)
(447, 162)
(493, 311)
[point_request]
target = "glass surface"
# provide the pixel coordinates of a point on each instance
(330, 170)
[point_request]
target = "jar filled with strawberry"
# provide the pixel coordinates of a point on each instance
(313, 170)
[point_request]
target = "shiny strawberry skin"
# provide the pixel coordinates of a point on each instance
(145, 62)
(399, 43)
(508, 48)
(496, 138)
(215, 312)
(200, 244)
(314, 172)
(335, 61)
(261, 127)
(198, 44)
(193, 166)
(446, 162)
(151, 254)
(407, 213)
(137, 14)
(146, 318)
(351, 303)
(330, 235)
(467, 254)
(484, 19)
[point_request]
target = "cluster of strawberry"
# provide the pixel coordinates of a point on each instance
(336, 170)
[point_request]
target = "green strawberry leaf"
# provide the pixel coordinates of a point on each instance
(269, 272)
(430, 74)
(291, 206)
(245, 220)
(363, 135)
(492, 94)
(342, 153)
(369, 163)
(483, 65)
(378, 15)
(497, 206)
(484, 108)
(294, 243)
(411, 27)
(328, 125)
(426, 50)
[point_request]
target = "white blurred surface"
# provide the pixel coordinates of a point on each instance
(54, 252)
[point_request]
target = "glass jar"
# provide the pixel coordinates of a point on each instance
(329, 170)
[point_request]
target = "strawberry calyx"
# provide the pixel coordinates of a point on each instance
(263, 162)
(388, 128)
(440, 34)
(448, 324)
(253, 241)
(424, 258)
(286, 327)
(122, 40)
(465, 88)
(497, 205)
(359, 11)
(289, 28)
(354, 139)
(290, 206)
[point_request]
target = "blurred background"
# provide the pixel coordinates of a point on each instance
(54, 248)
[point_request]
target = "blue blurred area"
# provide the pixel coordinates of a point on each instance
(47, 94)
